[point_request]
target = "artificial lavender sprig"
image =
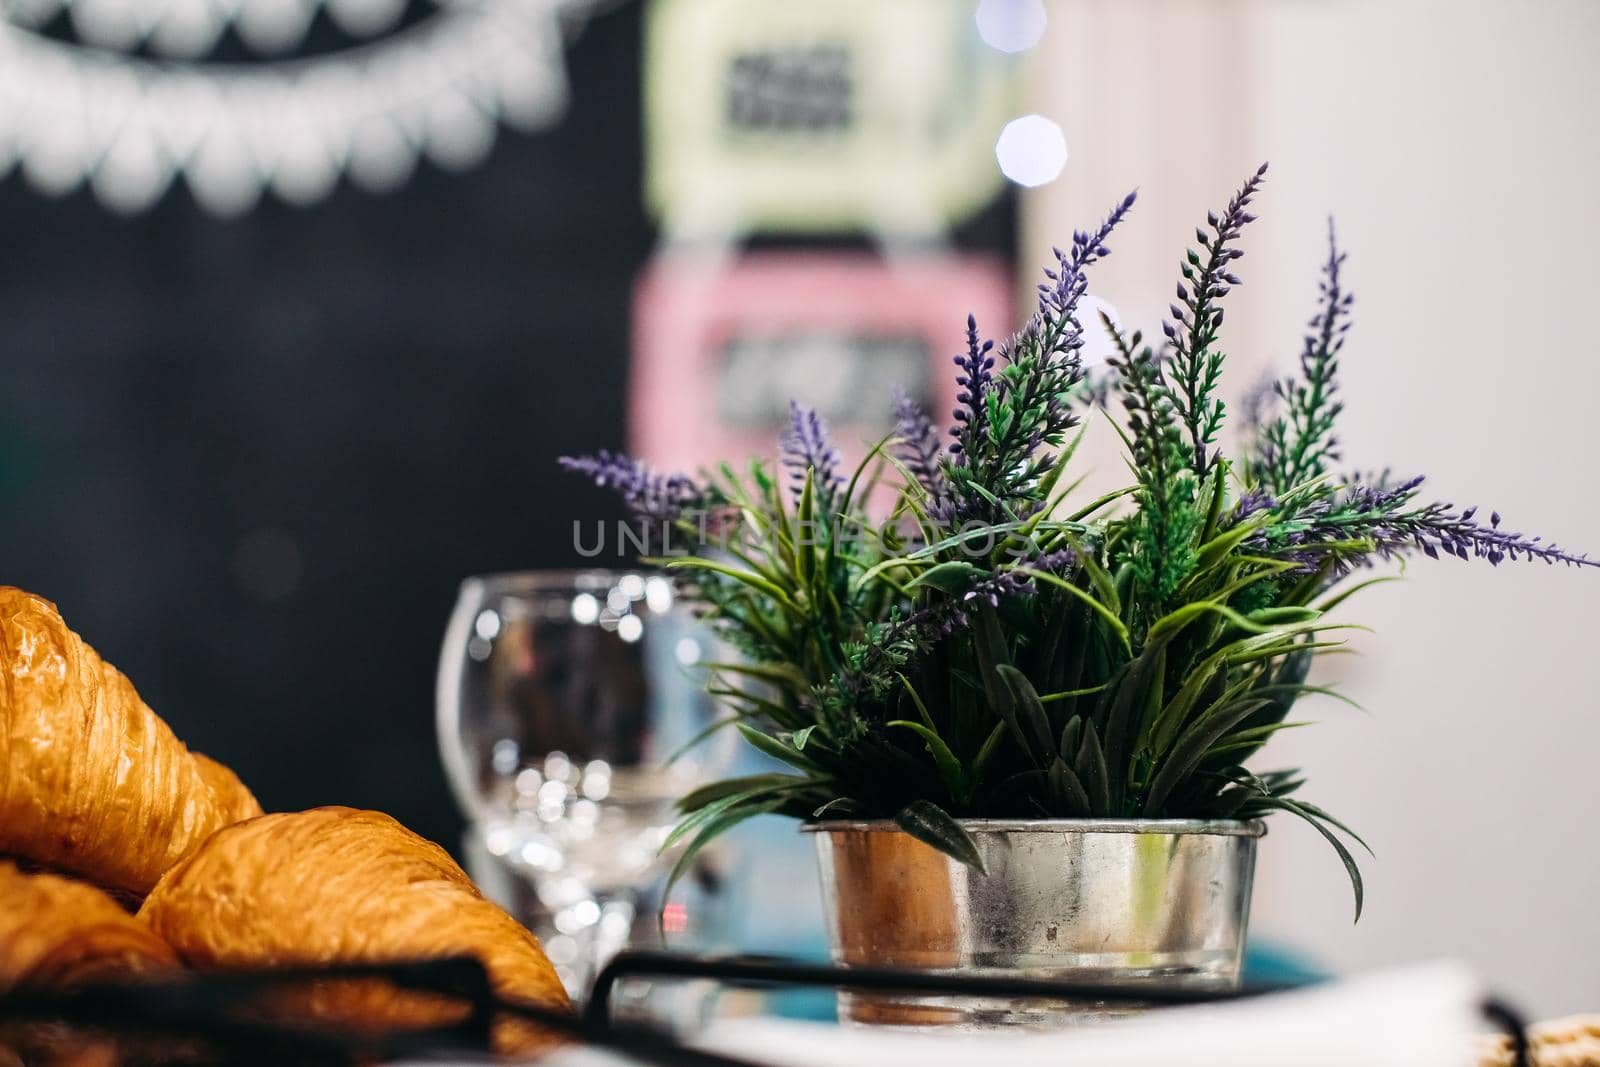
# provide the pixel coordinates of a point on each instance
(916, 444)
(1439, 527)
(1299, 443)
(1007, 418)
(892, 645)
(1251, 502)
(977, 374)
(648, 494)
(1195, 367)
(1258, 404)
(1058, 298)
(1161, 553)
(1048, 350)
(806, 446)
(1382, 516)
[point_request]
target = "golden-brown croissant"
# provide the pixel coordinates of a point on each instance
(56, 933)
(91, 780)
(336, 885)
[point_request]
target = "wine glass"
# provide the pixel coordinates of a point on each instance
(566, 700)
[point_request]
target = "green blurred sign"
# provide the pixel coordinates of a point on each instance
(825, 115)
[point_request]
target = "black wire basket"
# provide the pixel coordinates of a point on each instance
(216, 1018)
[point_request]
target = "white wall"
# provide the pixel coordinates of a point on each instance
(1458, 142)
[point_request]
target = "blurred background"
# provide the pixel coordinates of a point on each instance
(300, 300)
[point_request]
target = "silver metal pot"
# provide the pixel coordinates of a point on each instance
(1142, 902)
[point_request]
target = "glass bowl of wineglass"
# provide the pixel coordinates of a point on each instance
(569, 708)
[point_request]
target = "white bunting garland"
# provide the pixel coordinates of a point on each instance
(188, 28)
(131, 126)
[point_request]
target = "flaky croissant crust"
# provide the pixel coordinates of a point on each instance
(56, 933)
(342, 885)
(93, 781)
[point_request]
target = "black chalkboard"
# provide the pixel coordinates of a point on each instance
(252, 459)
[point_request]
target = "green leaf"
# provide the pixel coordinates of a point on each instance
(1345, 594)
(1216, 550)
(1120, 722)
(788, 717)
(786, 674)
(876, 450)
(754, 581)
(801, 736)
(1067, 789)
(701, 735)
(1173, 623)
(986, 751)
(916, 698)
(1296, 690)
(714, 828)
(990, 646)
(1325, 817)
(953, 576)
(753, 783)
(1104, 585)
(932, 825)
(1105, 613)
(1154, 700)
(777, 749)
(1100, 502)
(1288, 615)
(1229, 801)
(1202, 688)
(983, 534)
(1214, 508)
(711, 812)
(1071, 737)
(1090, 767)
(1249, 740)
(1350, 866)
(806, 530)
(1191, 747)
(1029, 709)
(949, 767)
(1068, 694)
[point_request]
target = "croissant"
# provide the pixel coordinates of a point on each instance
(337, 885)
(56, 934)
(91, 780)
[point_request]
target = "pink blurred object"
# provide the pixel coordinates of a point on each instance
(722, 344)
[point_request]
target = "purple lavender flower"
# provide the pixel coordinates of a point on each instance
(1301, 443)
(1058, 298)
(1006, 584)
(1006, 419)
(1378, 513)
(1440, 528)
(949, 614)
(649, 495)
(1196, 368)
(917, 448)
(805, 447)
(1258, 402)
(1332, 320)
(975, 380)
(1253, 502)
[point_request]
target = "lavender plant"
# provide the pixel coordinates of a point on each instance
(991, 648)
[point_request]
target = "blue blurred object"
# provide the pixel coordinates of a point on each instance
(1274, 964)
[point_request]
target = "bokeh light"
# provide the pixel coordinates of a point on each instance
(1031, 150)
(1011, 25)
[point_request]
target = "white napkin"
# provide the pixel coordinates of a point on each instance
(1421, 1016)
